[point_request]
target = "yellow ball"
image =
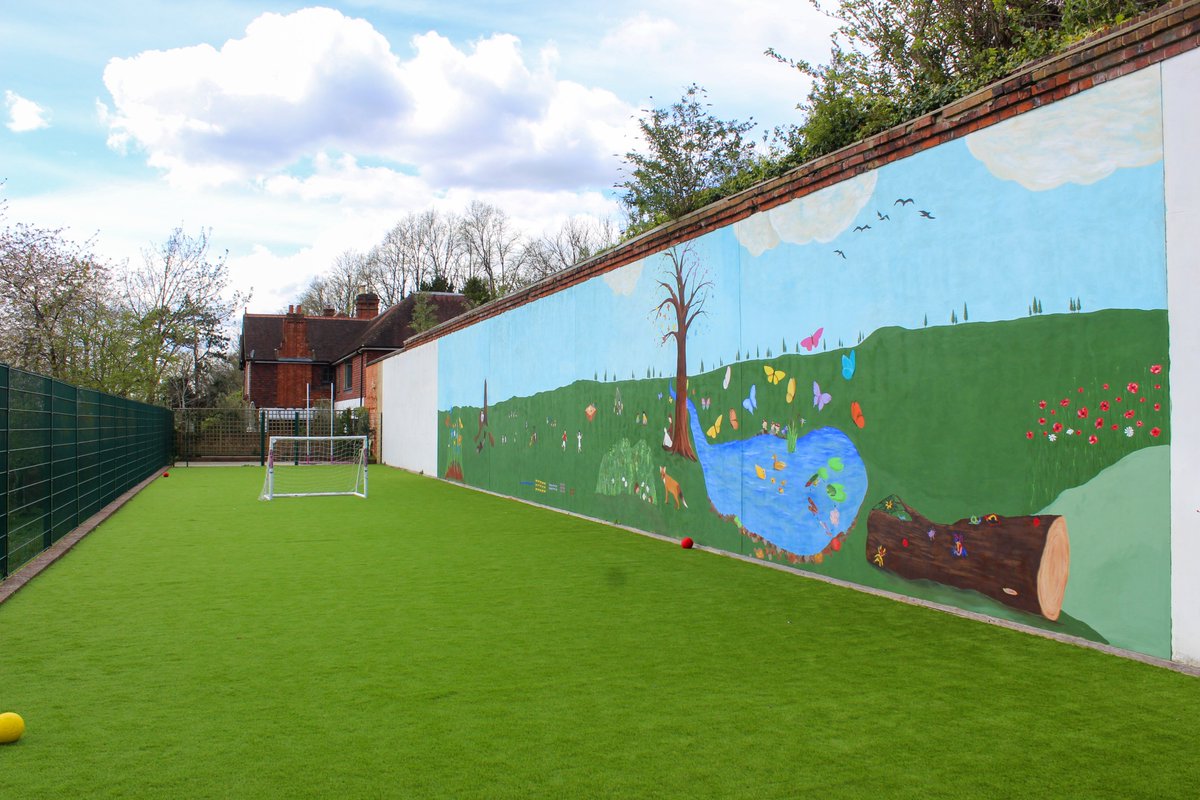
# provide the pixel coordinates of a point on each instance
(11, 727)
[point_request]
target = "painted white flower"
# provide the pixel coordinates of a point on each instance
(1053, 437)
(1070, 431)
(1129, 430)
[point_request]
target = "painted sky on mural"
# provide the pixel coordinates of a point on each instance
(298, 132)
(1013, 211)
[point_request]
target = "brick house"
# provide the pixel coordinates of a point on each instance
(292, 360)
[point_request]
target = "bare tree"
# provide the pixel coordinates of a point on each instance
(495, 252)
(576, 240)
(337, 289)
(686, 291)
(179, 298)
(440, 248)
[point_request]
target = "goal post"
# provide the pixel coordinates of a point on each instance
(314, 466)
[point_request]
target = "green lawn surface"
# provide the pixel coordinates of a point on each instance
(434, 641)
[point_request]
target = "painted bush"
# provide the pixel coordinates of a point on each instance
(976, 334)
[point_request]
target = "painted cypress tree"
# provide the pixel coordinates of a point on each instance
(964, 311)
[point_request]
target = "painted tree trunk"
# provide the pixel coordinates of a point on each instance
(681, 435)
(1022, 562)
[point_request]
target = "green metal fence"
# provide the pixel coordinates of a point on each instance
(65, 453)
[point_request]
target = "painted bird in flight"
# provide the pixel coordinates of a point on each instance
(927, 215)
(862, 228)
(903, 201)
(882, 216)
(840, 253)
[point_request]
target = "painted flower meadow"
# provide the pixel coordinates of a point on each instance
(1090, 427)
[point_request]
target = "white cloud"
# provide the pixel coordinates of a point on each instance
(316, 80)
(24, 115)
(1080, 139)
(624, 281)
(820, 216)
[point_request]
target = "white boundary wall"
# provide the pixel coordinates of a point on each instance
(410, 409)
(1181, 163)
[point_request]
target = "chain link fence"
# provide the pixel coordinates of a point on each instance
(242, 434)
(65, 453)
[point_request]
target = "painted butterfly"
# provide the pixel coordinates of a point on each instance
(820, 398)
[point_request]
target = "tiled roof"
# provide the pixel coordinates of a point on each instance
(334, 338)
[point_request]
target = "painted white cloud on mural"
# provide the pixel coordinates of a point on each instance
(623, 281)
(24, 115)
(820, 216)
(1080, 139)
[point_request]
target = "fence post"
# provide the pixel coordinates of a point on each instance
(4, 398)
(262, 438)
(296, 432)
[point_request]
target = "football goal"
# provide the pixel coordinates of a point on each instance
(309, 466)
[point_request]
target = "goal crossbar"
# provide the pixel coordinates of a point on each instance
(315, 466)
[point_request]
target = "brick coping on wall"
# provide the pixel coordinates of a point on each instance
(1139, 43)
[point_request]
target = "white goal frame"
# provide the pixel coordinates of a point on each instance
(325, 447)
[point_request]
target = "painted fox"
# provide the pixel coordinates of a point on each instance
(672, 487)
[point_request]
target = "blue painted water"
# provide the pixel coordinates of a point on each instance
(800, 519)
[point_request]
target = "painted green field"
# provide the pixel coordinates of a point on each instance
(432, 641)
(947, 413)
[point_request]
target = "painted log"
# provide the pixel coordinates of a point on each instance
(1023, 562)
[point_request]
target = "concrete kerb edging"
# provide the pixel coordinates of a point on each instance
(24, 574)
(1174, 666)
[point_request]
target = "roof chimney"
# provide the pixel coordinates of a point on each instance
(328, 311)
(366, 306)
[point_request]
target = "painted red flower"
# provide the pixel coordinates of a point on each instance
(1158, 386)
(1139, 423)
(1093, 439)
(1117, 398)
(1155, 431)
(1132, 388)
(1066, 401)
(1104, 405)
(1129, 414)
(1082, 413)
(1158, 406)
(1116, 427)
(1042, 420)
(1106, 387)
(1056, 427)
(1141, 399)
(1081, 390)
(1041, 403)
(1155, 369)
(1054, 411)
(1028, 434)
(1099, 422)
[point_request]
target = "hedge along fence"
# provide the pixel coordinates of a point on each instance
(65, 453)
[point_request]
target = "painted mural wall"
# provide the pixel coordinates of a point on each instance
(947, 378)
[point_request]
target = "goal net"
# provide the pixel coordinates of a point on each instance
(308, 466)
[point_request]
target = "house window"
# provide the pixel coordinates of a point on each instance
(348, 375)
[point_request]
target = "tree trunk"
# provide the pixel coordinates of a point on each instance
(1022, 562)
(681, 434)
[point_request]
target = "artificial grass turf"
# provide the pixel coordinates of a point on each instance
(432, 641)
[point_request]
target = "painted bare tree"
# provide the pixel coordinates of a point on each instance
(686, 290)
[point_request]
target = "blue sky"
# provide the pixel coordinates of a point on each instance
(297, 132)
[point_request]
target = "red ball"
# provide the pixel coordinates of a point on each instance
(686, 543)
(166, 474)
(837, 544)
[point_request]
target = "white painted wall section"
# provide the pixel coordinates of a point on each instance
(1181, 162)
(409, 409)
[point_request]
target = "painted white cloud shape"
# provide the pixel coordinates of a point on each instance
(24, 115)
(624, 280)
(1080, 139)
(820, 216)
(316, 80)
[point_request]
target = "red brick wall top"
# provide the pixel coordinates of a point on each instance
(1145, 40)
